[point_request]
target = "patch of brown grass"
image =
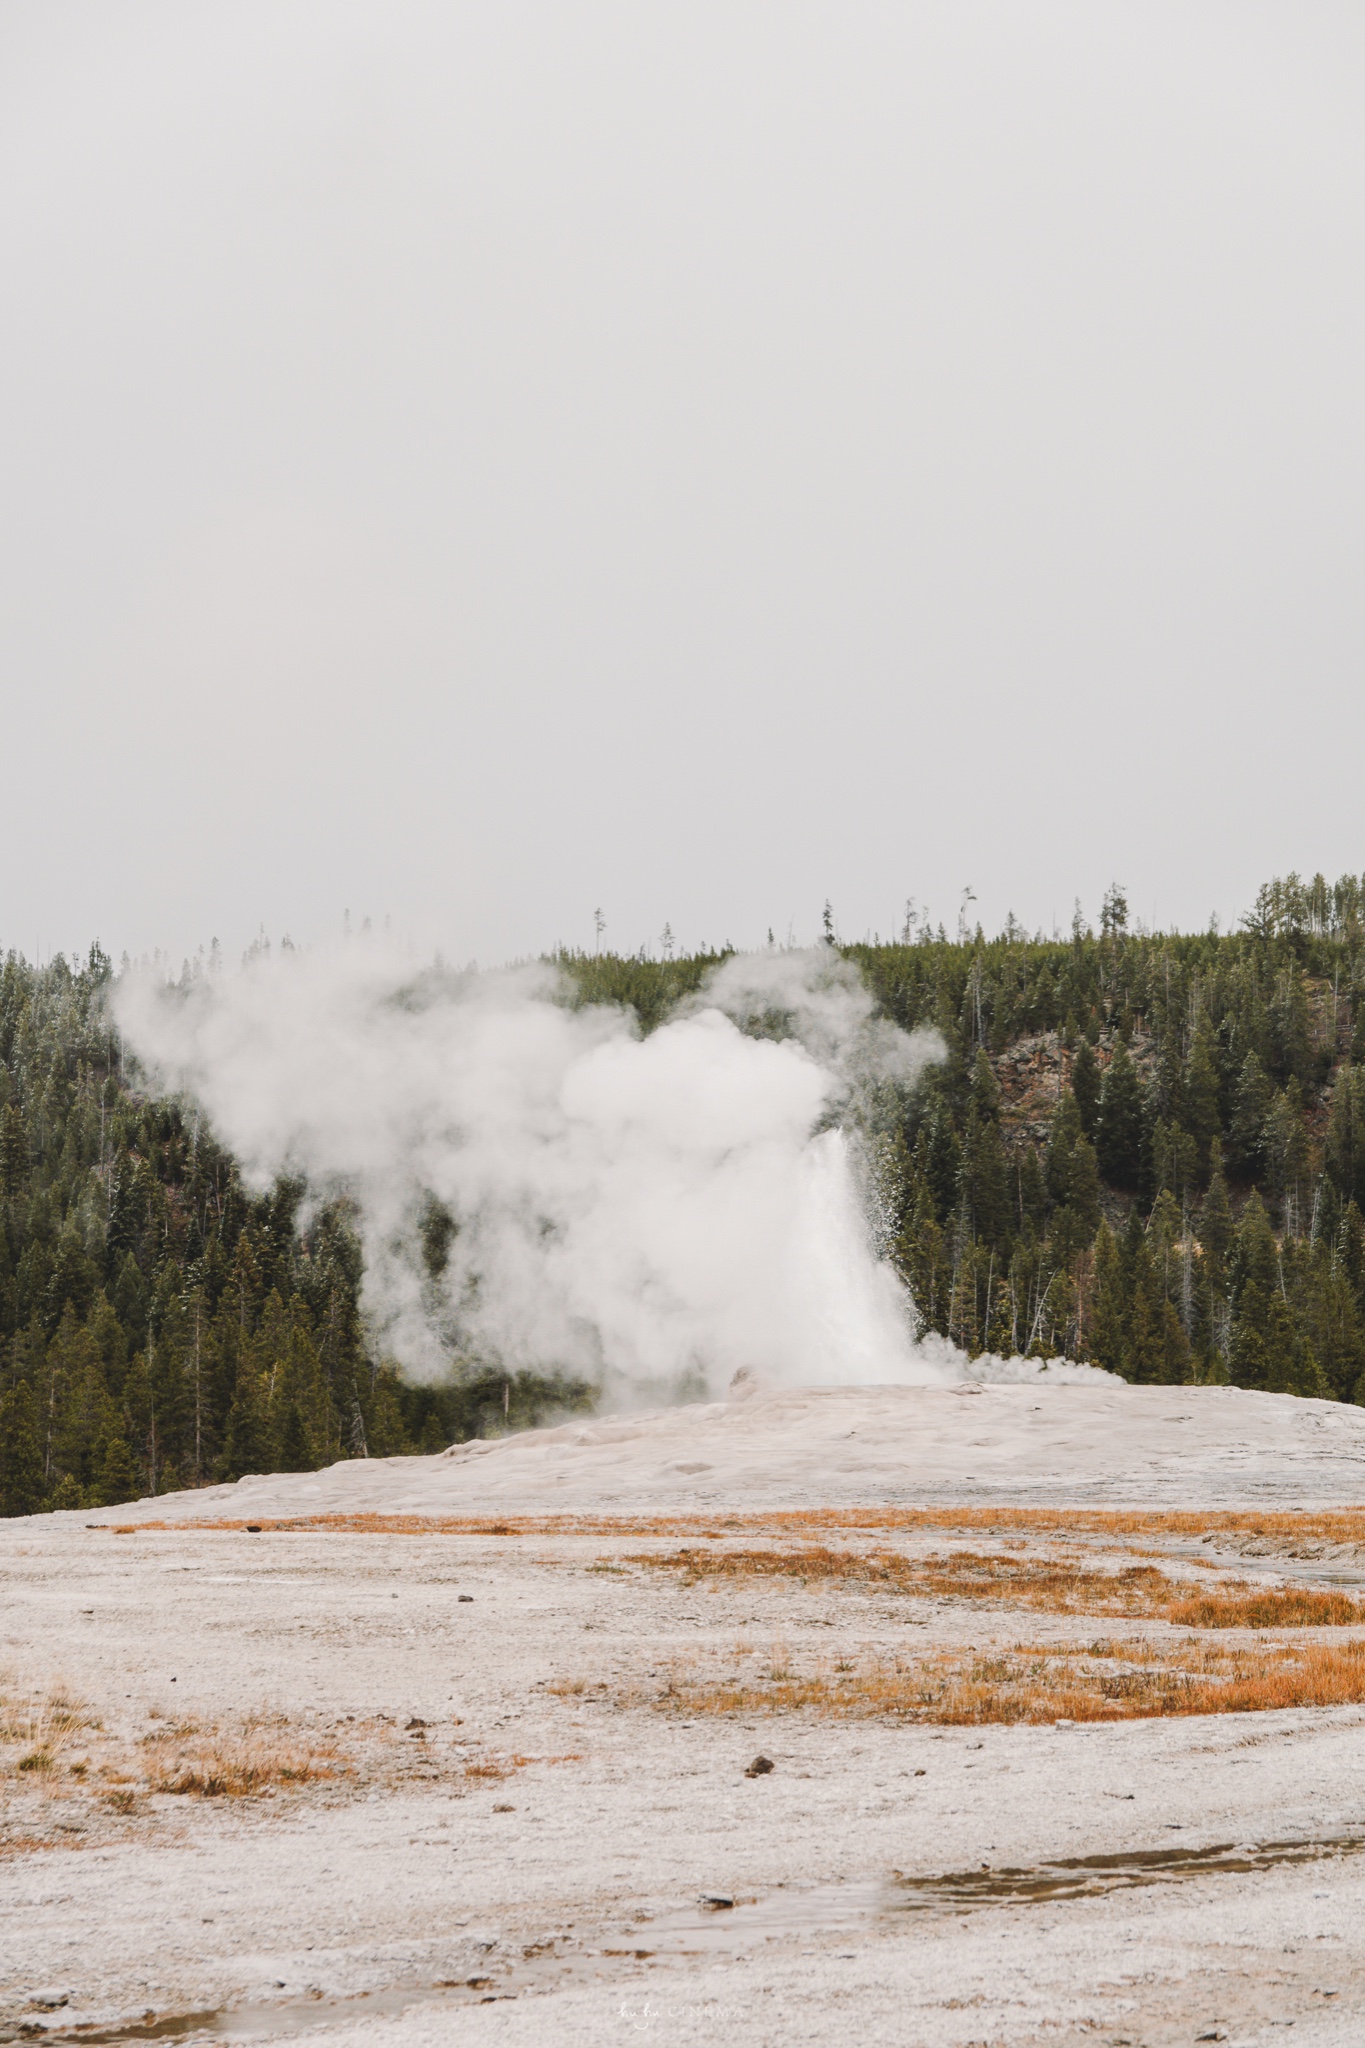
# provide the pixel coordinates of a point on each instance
(1340, 1525)
(1101, 1681)
(1268, 1607)
(245, 1764)
(1059, 1586)
(1335, 1525)
(118, 1767)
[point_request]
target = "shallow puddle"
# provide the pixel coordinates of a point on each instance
(812, 1912)
(1073, 1877)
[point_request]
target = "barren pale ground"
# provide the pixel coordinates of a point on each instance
(462, 1754)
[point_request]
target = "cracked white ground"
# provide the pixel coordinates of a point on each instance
(525, 1865)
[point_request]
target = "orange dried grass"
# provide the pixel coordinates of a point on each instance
(1057, 1586)
(1271, 1607)
(1104, 1681)
(242, 1766)
(1336, 1525)
(494, 1767)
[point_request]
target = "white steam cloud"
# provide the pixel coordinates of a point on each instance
(654, 1212)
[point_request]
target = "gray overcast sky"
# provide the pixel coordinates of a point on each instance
(477, 463)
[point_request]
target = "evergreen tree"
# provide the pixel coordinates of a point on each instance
(1255, 1260)
(942, 1160)
(1344, 1155)
(963, 1327)
(1173, 1160)
(1251, 1107)
(295, 1452)
(1119, 1133)
(22, 1484)
(1248, 1356)
(1109, 1333)
(246, 1444)
(1202, 1111)
(922, 1258)
(1030, 1192)
(386, 1436)
(1072, 1182)
(118, 1479)
(1350, 1247)
(13, 1151)
(985, 1090)
(1158, 1352)
(1287, 1152)
(1086, 1087)
(1333, 1326)
(984, 1185)
(1065, 1135)
(1215, 1218)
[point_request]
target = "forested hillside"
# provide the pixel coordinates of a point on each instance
(1145, 1150)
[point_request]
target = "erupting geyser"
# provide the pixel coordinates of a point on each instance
(654, 1211)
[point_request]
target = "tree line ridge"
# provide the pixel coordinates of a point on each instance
(1144, 1150)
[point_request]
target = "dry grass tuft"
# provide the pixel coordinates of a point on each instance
(44, 1723)
(489, 1770)
(1101, 1681)
(242, 1765)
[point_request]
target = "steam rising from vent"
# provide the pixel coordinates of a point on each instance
(544, 1186)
